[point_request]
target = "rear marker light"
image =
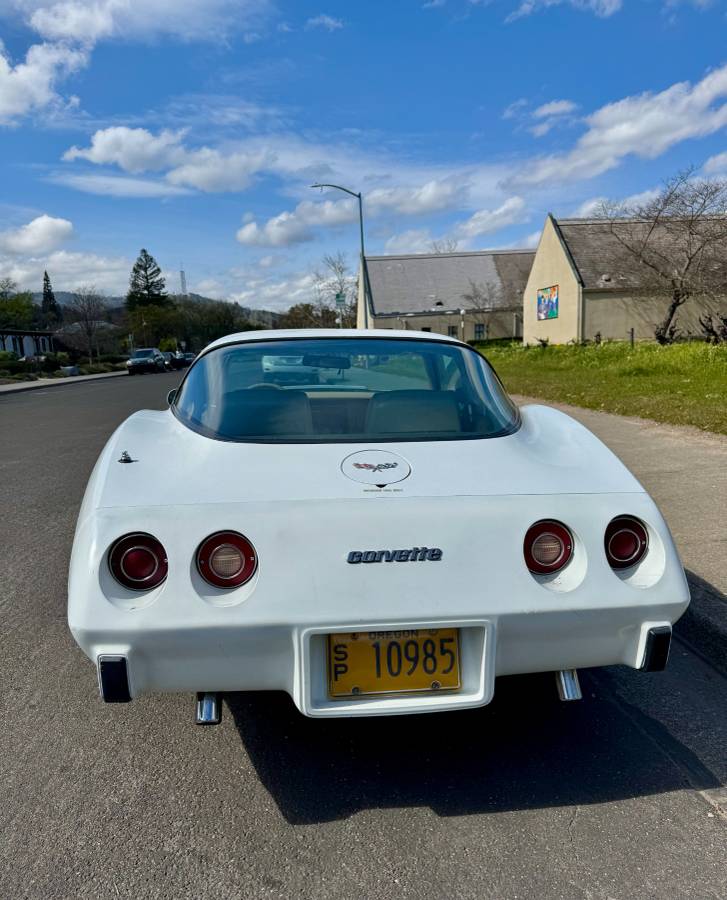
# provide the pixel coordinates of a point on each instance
(138, 561)
(226, 559)
(548, 547)
(626, 541)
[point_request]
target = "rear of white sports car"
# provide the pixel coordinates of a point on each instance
(388, 539)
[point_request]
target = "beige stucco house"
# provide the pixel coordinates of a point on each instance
(469, 295)
(583, 285)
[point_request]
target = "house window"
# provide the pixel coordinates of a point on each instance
(426, 329)
(479, 331)
(452, 330)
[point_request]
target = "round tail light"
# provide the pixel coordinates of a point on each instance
(138, 561)
(226, 559)
(548, 547)
(626, 541)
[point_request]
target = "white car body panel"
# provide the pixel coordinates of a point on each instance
(474, 499)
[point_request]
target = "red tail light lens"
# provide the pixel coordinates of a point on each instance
(548, 547)
(626, 541)
(138, 561)
(226, 559)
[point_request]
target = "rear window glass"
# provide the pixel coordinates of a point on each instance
(344, 390)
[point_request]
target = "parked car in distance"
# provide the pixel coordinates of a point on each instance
(182, 360)
(146, 359)
(288, 369)
(169, 360)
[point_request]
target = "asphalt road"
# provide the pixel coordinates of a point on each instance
(619, 796)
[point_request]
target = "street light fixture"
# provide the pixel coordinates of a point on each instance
(338, 187)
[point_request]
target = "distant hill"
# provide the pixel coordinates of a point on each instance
(255, 316)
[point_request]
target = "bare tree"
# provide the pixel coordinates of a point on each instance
(674, 244)
(86, 315)
(482, 298)
(7, 288)
(334, 281)
(443, 245)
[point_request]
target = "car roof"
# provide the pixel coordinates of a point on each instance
(288, 333)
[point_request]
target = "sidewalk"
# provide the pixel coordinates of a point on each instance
(685, 471)
(53, 382)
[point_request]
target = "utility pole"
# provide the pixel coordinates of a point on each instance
(364, 278)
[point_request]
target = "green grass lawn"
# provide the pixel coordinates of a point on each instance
(683, 384)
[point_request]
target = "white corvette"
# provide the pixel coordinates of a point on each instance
(387, 539)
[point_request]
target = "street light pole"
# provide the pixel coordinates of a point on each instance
(357, 195)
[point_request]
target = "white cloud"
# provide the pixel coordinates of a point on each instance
(211, 170)
(486, 221)
(42, 235)
(644, 125)
(30, 85)
(716, 164)
(433, 196)
(137, 150)
(414, 240)
(514, 109)
(296, 226)
(276, 293)
(117, 185)
(93, 20)
(324, 21)
(555, 108)
(134, 150)
(69, 270)
(601, 8)
(69, 30)
(280, 231)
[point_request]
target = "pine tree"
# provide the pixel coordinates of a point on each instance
(50, 309)
(146, 284)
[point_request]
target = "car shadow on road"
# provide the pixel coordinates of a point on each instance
(525, 750)
(704, 625)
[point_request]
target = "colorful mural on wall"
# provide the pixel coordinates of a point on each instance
(548, 303)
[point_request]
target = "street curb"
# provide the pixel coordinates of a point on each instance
(9, 389)
(704, 625)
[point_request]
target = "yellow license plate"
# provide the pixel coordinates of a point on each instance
(386, 662)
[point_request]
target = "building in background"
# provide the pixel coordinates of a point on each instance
(471, 296)
(585, 285)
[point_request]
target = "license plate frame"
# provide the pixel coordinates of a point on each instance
(371, 672)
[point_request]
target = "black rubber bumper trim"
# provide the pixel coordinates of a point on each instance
(113, 679)
(656, 653)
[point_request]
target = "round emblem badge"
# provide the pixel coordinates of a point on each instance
(379, 467)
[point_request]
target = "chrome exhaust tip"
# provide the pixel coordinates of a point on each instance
(208, 708)
(569, 687)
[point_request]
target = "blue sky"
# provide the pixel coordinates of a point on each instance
(195, 127)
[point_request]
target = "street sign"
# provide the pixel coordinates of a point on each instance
(340, 299)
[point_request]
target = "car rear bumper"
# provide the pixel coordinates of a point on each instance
(269, 634)
(294, 658)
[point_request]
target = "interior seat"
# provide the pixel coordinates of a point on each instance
(253, 413)
(397, 412)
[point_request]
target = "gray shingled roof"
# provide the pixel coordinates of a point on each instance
(602, 262)
(432, 281)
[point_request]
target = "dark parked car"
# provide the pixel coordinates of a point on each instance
(180, 361)
(147, 359)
